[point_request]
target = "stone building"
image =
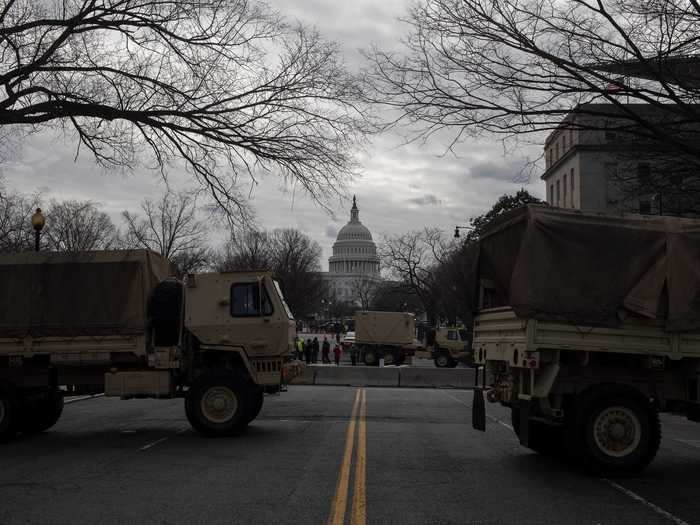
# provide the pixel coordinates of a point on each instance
(595, 161)
(354, 266)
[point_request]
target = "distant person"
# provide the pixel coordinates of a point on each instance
(300, 349)
(336, 354)
(316, 348)
(326, 351)
(337, 337)
(353, 354)
(308, 350)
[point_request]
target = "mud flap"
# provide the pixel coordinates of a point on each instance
(478, 410)
(524, 422)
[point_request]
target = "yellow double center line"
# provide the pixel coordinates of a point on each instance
(358, 512)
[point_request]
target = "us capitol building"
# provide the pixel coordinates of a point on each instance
(354, 262)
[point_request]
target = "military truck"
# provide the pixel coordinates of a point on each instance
(449, 346)
(385, 335)
(115, 321)
(588, 326)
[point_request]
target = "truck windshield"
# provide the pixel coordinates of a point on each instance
(284, 303)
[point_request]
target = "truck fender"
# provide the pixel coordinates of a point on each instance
(239, 350)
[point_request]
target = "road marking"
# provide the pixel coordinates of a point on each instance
(690, 442)
(494, 419)
(359, 501)
(649, 504)
(340, 500)
(82, 398)
(151, 445)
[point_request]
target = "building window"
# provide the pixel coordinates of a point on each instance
(563, 149)
(571, 178)
(557, 148)
(558, 194)
(565, 187)
(551, 194)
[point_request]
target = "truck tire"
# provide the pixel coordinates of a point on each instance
(40, 415)
(255, 403)
(218, 403)
(444, 360)
(371, 357)
(613, 430)
(165, 312)
(390, 358)
(8, 415)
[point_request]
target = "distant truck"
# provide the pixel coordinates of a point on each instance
(449, 346)
(588, 327)
(385, 335)
(114, 321)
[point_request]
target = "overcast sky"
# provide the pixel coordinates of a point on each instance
(400, 187)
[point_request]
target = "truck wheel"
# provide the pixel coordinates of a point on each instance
(42, 414)
(216, 404)
(371, 357)
(389, 358)
(255, 404)
(8, 415)
(442, 360)
(614, 430)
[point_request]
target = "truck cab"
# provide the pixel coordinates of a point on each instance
(450, 346)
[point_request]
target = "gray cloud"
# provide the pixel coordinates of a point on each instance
(331, 231)
(511, 170)
(426, 200)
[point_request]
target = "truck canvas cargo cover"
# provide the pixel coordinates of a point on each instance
(77, 294)
(594, 269)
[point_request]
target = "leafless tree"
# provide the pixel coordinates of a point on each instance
(296, 260)
(171, 227)
(517, 67)
(365, 290)
(412, 258)
(74, 225)
(224, 85)
(246, 250)
(16, 209)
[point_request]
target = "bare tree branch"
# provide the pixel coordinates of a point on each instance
(226, 86)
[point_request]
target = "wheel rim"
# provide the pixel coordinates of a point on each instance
(388, 359)
(370, 358)
(219, 404)
(617, 431)
(442, 360)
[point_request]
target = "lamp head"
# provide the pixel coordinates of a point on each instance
(38, 220)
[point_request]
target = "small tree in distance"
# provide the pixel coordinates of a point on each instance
(171, 227)
(73, 226)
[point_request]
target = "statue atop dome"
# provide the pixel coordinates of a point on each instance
(354, 211)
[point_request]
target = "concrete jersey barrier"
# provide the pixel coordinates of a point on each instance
(387, 377)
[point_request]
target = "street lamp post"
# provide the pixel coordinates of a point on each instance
(38, 221)
(457, 228)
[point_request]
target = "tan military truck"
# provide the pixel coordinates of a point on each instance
(449, 346)
(114, 321)
(589, 326)
(385, 335)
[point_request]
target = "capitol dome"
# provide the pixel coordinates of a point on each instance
(354, 251)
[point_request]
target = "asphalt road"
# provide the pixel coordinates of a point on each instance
(326, 455)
